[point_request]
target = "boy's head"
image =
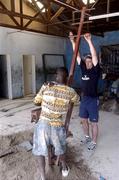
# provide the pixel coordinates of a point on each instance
(61, 75)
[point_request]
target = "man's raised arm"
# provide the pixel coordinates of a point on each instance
(87, 37)
(73, 46)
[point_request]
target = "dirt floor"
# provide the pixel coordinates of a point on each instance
(21, 165)
(78, 169)
(18, 163)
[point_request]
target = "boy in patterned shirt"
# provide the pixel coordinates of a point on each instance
(54, 100)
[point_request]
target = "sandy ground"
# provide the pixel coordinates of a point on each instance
(17, 163)
(22, 166)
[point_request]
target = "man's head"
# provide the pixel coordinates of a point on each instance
(61, 75)
(88, 61)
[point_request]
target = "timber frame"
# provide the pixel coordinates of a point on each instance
(60, 16)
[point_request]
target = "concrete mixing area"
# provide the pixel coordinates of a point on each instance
(17, 161)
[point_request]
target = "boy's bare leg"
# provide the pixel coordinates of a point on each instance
(41, 166)
(63, 161)
(65, 168)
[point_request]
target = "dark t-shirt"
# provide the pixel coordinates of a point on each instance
(89, 80)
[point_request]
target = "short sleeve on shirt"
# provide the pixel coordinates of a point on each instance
(74, 96)
(39, 96)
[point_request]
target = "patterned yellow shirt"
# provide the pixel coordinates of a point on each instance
(54, 102)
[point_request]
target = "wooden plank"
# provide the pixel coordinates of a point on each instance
(77, 23)
(49, 11)
(72, 68)
(71, 73)
(12, 5)
(28, 29)
(65, 5)
(21, 12)
(108, 9)
(31, 20)
(41, 14)
(14, 20)
(4, 11)
(59, 12)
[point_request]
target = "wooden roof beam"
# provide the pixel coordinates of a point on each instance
(49, 11)
(59, 12)
(10, 15)
(40, 12)
(26, 29)
(22, 28)
(4, 11)
(21, 12)
(31, 20)
(12, 5)
(65, 5)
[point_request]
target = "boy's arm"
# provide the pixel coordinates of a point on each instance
(87, 37)
(68, 116)
(35, 113)
(74, 99)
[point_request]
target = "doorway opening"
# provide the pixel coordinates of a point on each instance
(29, 76)
(5, 77)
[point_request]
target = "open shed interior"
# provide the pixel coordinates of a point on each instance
(34, 41)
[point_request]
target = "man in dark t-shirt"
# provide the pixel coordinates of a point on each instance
(89, 79)
(89, 99)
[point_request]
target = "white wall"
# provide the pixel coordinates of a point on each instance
(18, 43)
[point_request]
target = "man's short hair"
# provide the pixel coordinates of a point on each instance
(87, 56)
(63, 70)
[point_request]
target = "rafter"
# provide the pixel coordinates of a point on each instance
(66, 5)
(12, 6)
(59, 12)
(10, 13)
(26, 29)
(41, 14)
(13, 19)
(21, 12)
(31, 20)
(48, 10)
(22, 28)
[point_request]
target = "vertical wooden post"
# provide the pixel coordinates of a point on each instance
(73, 63)
(71, 73)
(21, 12)
(108, 9)
(12, 6)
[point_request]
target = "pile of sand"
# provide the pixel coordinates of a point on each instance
(21, 165)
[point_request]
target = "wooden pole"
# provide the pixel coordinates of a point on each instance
(65, 5)
(108, 9)
(71, 73)
(21, 12)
